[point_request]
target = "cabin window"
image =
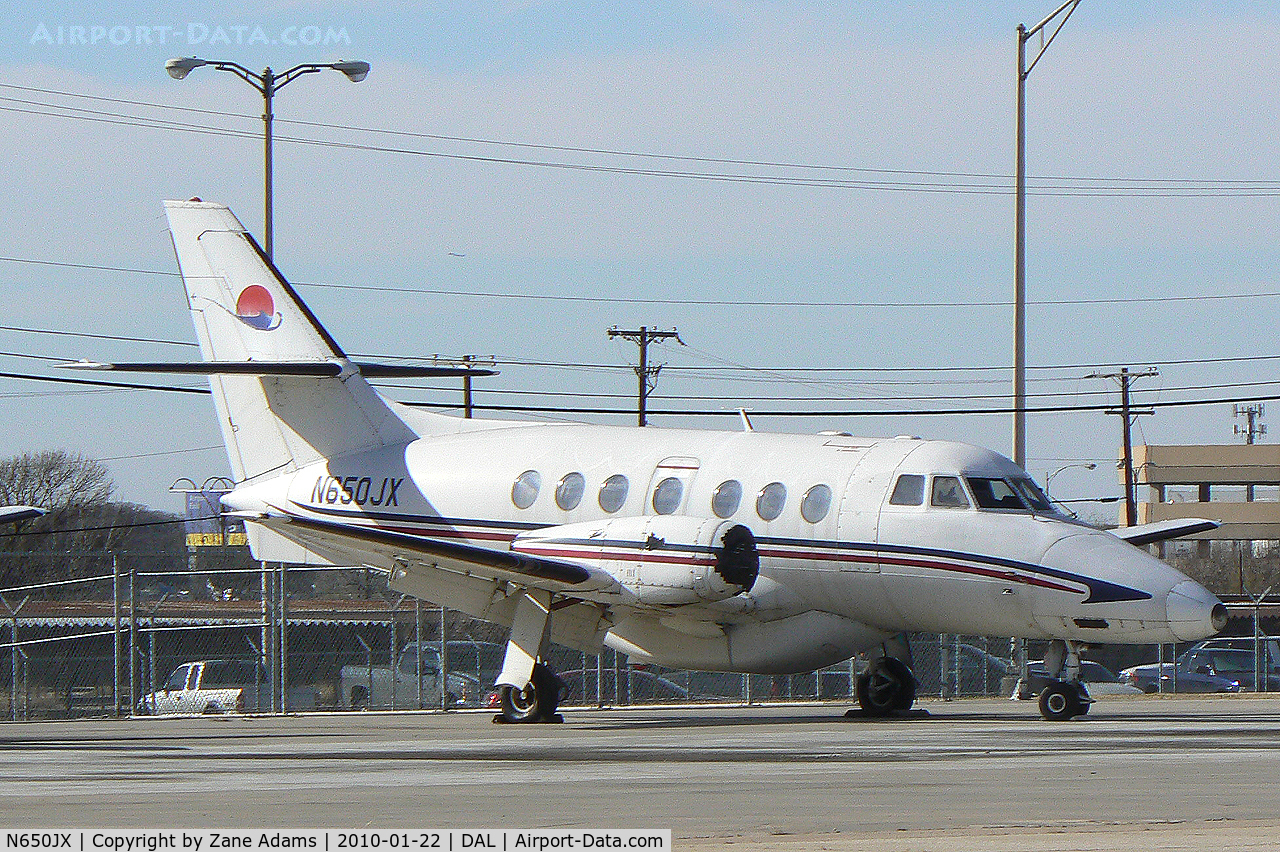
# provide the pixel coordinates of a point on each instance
(771, 500)
(1032, 494)
(727, 498)
(614, 493)
(667, 496)
(816, 503)
(909, 490)
(569, 491)
(993, 493)
(525, 490)
(948, 493)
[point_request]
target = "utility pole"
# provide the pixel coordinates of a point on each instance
(466, 389)
(647, 375)
(1125, 378)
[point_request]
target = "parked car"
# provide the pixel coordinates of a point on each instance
(1269, 648)
(1097, 679)
(220, 686)
(1198, 670)
(1239, 664)
(369, 686)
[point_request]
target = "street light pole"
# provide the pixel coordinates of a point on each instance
(1049, 477)
(1019, 226)
(266, 83)
(268, 190)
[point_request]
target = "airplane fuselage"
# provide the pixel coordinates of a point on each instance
(836, 546)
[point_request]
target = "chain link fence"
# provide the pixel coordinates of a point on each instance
(123, 636)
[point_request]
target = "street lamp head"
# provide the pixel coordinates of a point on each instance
(355, 70)
(179, 68)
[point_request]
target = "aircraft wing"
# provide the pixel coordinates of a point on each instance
(1164, 530)
(481, 582)
(13, 514)
(392, 546)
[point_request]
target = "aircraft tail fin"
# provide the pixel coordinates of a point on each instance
(244, 311)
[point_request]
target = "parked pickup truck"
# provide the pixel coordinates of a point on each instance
(219, 686)
(378, 687)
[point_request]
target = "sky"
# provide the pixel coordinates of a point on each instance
(820, 200)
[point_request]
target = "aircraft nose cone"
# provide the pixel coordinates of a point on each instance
(1193, 612)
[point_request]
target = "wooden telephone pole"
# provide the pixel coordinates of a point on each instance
(1127, 413)
(647, 375)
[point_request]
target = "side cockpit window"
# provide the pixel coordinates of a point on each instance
(908, 491)
(948, 493)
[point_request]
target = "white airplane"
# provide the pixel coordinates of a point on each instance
(724, 551)
(13, 514)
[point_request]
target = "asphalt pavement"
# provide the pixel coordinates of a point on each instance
(1150, 772)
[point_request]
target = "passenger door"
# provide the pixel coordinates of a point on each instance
(669, 486)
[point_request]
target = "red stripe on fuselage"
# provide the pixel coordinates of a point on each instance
(869, 559)
(808, 555)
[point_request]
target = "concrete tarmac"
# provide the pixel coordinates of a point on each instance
(1137, 773)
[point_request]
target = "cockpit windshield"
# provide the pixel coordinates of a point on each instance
(994, 494)
(1032, 494)
(1008, 494)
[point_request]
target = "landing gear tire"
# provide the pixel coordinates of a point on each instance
(887, 687)
(537, 702)
(1060, 701)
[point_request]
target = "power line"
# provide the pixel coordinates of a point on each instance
(615, 152)
(1063, 188)
(1046, 409)
(1031, 409)
(695, 302)
(163, 453)
(744, 399)
(102, 384)
(783, 303)
(707, 369)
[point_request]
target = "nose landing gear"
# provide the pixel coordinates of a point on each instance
(1065, 696)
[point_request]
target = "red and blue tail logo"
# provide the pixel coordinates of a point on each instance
(256, 308)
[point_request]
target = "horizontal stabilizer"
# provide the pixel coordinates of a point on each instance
(282, 368)
(1165, 530)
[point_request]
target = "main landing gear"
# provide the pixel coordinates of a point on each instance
(1064, 697)
(537, 702)
(887, 685)
(529, 691)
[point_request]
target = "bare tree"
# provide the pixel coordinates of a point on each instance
(72, 489)
(54, 480)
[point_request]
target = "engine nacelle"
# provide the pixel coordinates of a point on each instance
(664, 560)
